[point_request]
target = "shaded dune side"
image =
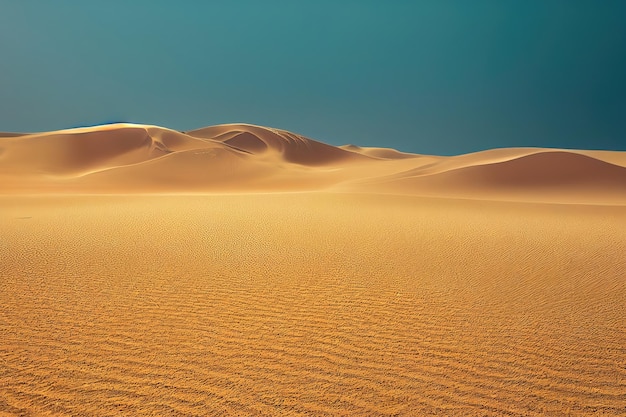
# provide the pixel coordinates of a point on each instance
(11, 134)
(559, 172)
(293, 148)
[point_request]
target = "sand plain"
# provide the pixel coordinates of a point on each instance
(296, 284)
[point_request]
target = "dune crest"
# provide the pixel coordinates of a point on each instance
(292, 147)
(134, 158)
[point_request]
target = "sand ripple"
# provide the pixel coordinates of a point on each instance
(310, 304)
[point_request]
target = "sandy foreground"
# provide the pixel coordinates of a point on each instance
(310, 304)
(294, 278)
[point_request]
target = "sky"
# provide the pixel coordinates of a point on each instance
(433, 77)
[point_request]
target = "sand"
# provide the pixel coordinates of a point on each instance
(228, 271)
(236, 158)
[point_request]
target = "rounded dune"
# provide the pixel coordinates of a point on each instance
(292, 147)
(548, 175)
(545, 169)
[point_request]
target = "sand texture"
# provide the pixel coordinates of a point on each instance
(241, 270)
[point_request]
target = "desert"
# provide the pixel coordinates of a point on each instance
(246, 270)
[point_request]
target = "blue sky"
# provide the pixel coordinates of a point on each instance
(438, 77)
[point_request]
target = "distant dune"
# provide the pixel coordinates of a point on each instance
(538, 175)
(130, 158)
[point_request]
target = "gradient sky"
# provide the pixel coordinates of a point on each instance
(438, 77)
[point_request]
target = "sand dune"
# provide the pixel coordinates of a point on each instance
(136, 158)
(540, 175)
(244, 158)
(543, 169)
(291, 147)
(84, 150)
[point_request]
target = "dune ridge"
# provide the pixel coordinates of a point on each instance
(290, 146)
(247, 158)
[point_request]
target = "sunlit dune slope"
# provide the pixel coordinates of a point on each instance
(131, 158)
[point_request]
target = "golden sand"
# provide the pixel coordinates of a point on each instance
(239, 158)
(342, 301)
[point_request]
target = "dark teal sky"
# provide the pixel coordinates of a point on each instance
(441, 77)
